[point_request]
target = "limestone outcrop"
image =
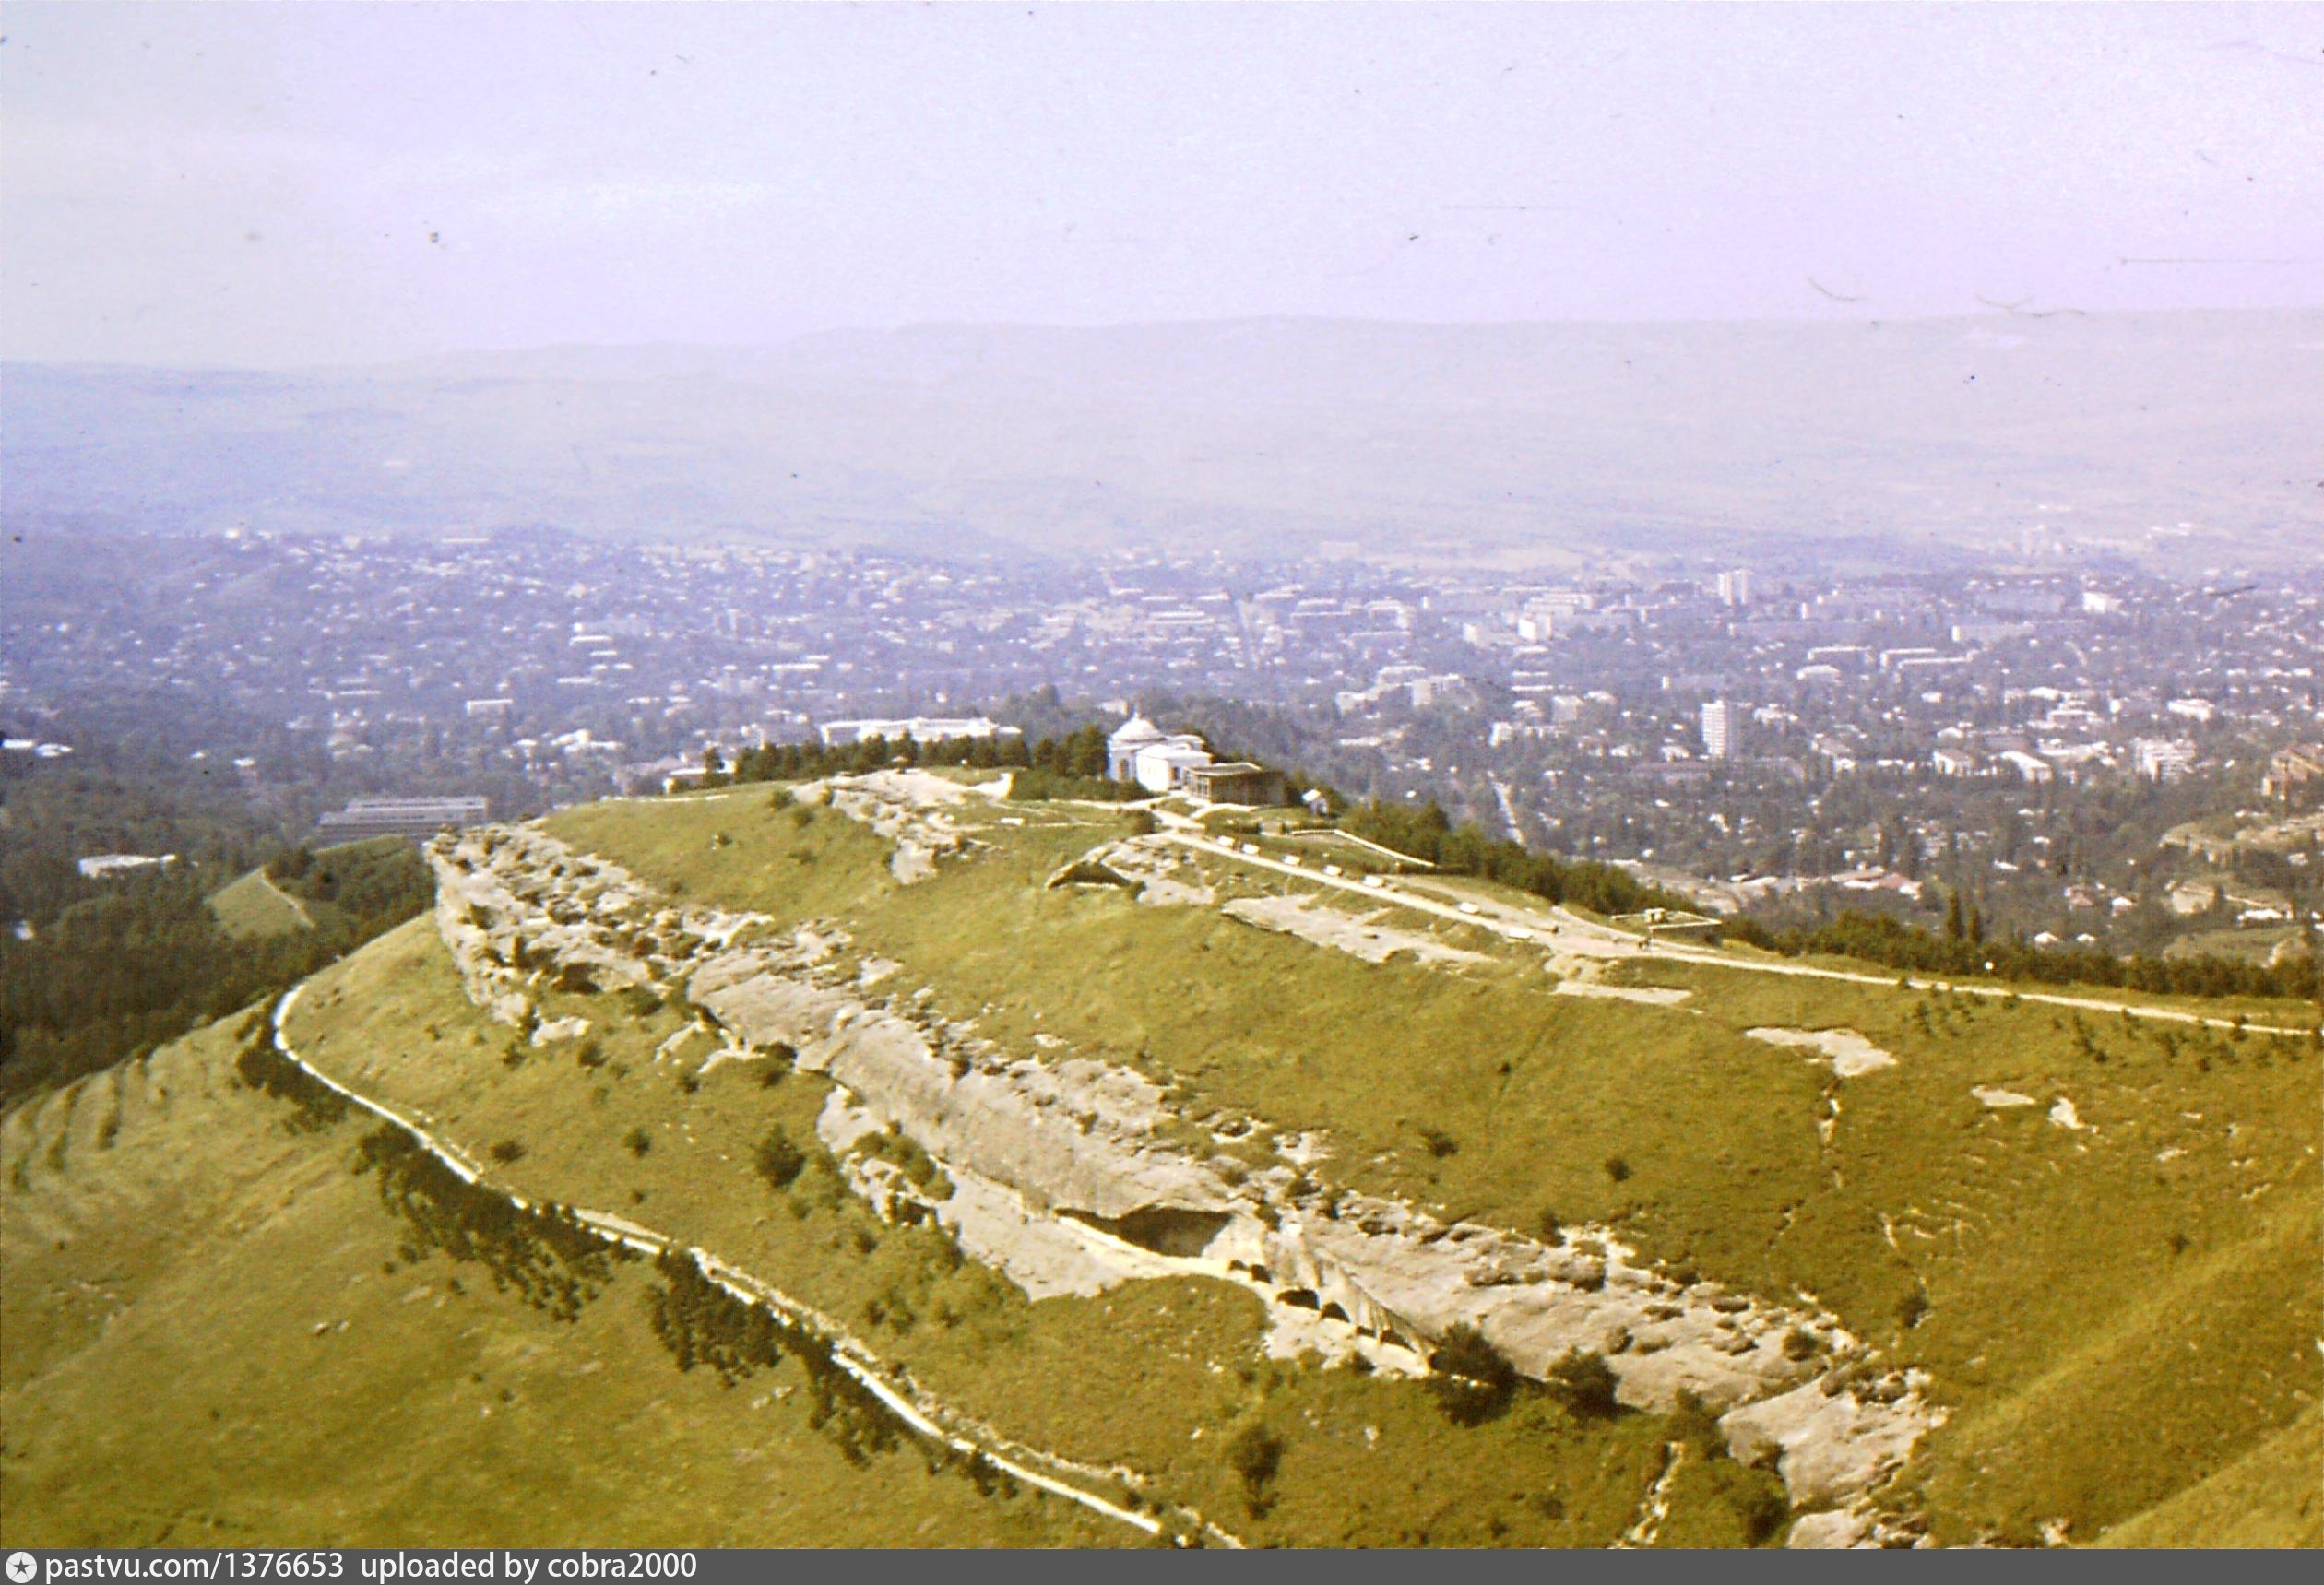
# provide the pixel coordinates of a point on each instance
(1071, 1175)
(1367, 937)
(909, 808)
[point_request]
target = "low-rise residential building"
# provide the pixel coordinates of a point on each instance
(417, 818)
(111, 866)
(920, 728)
(2295, 774)
(1237, 782)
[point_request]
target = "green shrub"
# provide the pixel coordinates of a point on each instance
(1763, 1510)
(1474, 1380)
(1693, 1422)
(1585, 1384)
(1255, 1454)
(779, 1161)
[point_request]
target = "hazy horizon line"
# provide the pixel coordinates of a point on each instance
(1997, 315)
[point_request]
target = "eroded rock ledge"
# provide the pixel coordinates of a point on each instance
(1071, 1175)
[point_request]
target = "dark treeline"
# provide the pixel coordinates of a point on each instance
(106, 799)
(143, 960)
(551, 1260)
(261, 1066)
(1879, 939)
(1426, 832)
(352, 885)
(1069, 765)
(701, 1323)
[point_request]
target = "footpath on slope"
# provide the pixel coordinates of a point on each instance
(1568, 931)
(293, 904)
(923, 1416)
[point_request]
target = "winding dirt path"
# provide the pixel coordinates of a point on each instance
(289, 902)
(1563, 930)
(925, 1417)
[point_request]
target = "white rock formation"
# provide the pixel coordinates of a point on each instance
(1651, 995)
(1851, 1054)
(909, 808)
(1071, 1175)
(1323, 925)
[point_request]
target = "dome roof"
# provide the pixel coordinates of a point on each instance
(1136, 730)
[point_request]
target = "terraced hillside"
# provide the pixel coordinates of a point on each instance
(881, 1160)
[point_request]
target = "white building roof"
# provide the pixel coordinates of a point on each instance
(1136, 730)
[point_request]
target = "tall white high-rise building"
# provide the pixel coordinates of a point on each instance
(1735, 588)
(1722, 729)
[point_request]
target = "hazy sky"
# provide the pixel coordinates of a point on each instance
(254, 185)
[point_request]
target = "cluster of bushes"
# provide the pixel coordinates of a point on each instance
(1078, 755)
(315, 1105)
(1426, 832)
(1475, 1381)
(549, 1259)
(1878, 938)
(703, 1324)
(919, 1170)
(1755, 1495)
(381, 880)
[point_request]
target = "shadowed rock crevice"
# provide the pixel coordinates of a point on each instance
(1171, 1230)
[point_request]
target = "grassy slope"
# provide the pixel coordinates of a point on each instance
(165, 1383)
(2057, 1265)
(1163, 1373)
(251, 906)
(2269, 1497)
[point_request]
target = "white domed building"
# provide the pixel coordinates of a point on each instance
(1141, 752)
(1122, 748)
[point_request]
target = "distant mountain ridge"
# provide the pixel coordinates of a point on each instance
(1243, 435)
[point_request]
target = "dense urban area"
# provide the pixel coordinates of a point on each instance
(1760, 740)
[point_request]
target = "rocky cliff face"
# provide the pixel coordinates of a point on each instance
(1070, 1176)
